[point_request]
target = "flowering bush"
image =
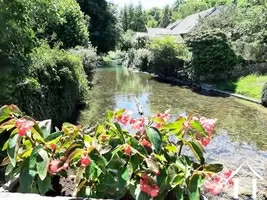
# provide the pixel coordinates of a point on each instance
(121, 157)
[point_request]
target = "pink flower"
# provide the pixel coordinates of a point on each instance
(158, 125)
(155, 190)
(127, 150)
(54, 167)
(23, 126)
(214, 188)
(146, 143)
(208, 124)
(151, 190)
(53, 146)
(137, 124)
(124, 119)
(205, 141)
(164, 116)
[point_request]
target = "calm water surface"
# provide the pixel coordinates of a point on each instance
(241, 133)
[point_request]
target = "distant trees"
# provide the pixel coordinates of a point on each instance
(166, 17)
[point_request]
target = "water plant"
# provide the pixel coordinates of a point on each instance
(121, 157)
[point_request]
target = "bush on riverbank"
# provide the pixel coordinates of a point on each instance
(169, 56)
(212, 56)
(89, 58)
(54, 86)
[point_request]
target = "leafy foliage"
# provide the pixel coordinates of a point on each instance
(103, 27)
(111, 161)
(212, 56)
(89, 58)
(169, 56)
(56, 84)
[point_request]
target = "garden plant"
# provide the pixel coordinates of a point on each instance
(123, 157)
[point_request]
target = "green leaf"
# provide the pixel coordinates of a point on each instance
(75, 154)
(109, 115)
(193, 187)
(13, 141)
(155, 138)
(87, 140)
(4, 113)
(172, 148)
(44, 185)
(32, 159)
(158, 120)
(109, 180)
(120, 132)
(53, 136)
(5, 146)
(137, 146)
(26, 177)
(119, 112)
(105, 149)
(197, 149)
(152, 165)
(198, 127)
(160, 157)
(9, 169)
(179, 193)
(213, 168)
(136, 193)
(45, 127)
(177, 180)
(42, 163)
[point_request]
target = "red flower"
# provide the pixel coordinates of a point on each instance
(23, 126)
(85, 161)
(208, 124)
(228, 173)
(137, 124)
(53, 146)
(104, 138)
(146, 143)
(155, 191)
(157, 173)
(54, 167)
(205, 141)
(214, 188)
(146, 188)
(127, 150)
(164, 116)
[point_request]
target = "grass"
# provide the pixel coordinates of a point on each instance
(250, 85)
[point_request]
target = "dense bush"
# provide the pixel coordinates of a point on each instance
(143, 60)
(212, 56)
(89, 57)
(169, 56)
(130, 40)
(123, 158)
(264, 95)
(55, 86)
(73, 29)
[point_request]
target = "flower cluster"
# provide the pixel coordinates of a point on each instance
(215, 184)
(209, 126)
(24, 126)
(56, 166)
(85, 160)
(136, 124)
(150, 189)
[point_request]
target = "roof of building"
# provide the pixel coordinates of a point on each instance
(159, 31)
(190, 22)
(174, 24)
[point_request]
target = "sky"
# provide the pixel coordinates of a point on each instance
(146, 3)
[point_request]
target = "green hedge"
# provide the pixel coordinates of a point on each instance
(52, 89)
(264, 95)
(212, 56)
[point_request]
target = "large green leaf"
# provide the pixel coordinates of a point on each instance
(44, 185)
(120, 132)
(42, 163)
(45, 127)
(179, 193)
(197, 149)
(213, 168)
(32, 159)
(193, 187)
(198, 127)
(119, 112)
(109, 115)
(4, 113)
(138, 147)
(155, 138)
(53, 136)
(13, 148)
(136, 193)
(26, 177)
(9, 169)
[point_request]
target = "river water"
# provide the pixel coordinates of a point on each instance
(241, 131)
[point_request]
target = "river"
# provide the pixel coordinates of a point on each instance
(241, 131)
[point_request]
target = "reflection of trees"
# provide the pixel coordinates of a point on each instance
(115, 88)
(242, 122)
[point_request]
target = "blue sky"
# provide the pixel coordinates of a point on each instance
(146, 3)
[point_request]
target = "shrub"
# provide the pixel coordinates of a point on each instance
(130, 40)
(169, 56)
(89, 58)
(116, 55)
(212, 56)
(264, 95)
(55, 85)
(73, 30)
(129, 58)
(143, 59)
(113, 161)
(141, 42)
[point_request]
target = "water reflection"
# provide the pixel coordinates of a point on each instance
(116, 86)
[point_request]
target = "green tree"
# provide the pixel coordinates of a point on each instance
(139, 19)
(103, 26)
(166, 17)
